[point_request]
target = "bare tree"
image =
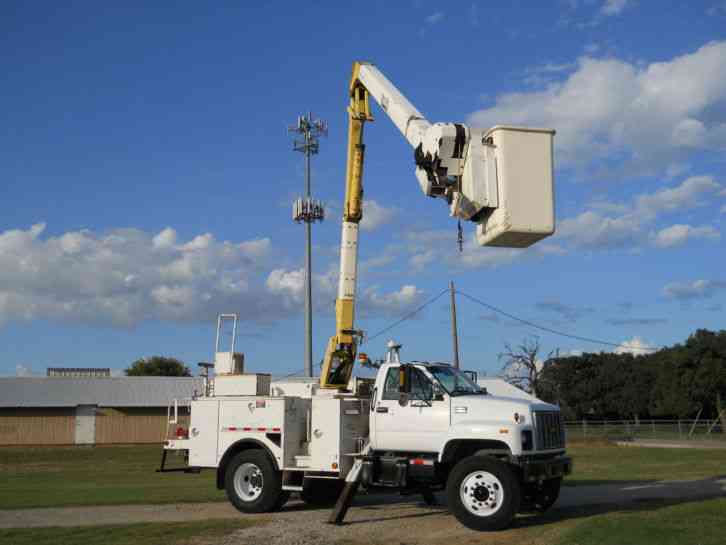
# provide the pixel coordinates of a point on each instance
(522, 366)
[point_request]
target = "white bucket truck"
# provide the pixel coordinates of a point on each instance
(421, 426)
(418, 428)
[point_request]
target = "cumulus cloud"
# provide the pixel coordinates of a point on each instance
(125, 276)
(607, 225)
(698, 289)
(428, 247)
(635, 346)
(376, 215)
(646, 116)
(22, 370)
(679, 234)
(613, 7)
(434, 18)
(290, 285)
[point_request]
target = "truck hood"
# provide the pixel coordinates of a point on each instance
(495, 408)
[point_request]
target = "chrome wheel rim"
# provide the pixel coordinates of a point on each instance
(248, 482)
(481, 493)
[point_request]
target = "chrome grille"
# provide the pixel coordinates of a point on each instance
(549, 431)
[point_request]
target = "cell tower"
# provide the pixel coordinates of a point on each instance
(308, 210)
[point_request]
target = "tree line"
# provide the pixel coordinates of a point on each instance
(679, 381)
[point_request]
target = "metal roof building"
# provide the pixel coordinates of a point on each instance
(103, 392)
(87, 411)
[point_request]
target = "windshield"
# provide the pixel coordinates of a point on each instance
(454, 381)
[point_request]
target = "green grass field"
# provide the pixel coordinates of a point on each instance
(605, 463)
(697, 523)
(54, 477)
(154, 533)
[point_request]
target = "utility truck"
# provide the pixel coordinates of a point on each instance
(418, 427)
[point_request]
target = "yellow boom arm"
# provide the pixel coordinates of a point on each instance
(341, 349)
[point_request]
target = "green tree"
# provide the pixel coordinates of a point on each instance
(158, 366)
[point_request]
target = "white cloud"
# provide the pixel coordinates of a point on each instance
(698, 289)
(434, 18)
(688, 194)
(613, 7)
(635, 346)
(165, 239)
(679, 234)
(439, 246)
(22, 370)
(376, 215)
(290, 284)
(608, 225)
(126, 276)
(391, 303)
(648, 116)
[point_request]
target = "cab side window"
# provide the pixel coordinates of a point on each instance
(390, 387)
(421, 387)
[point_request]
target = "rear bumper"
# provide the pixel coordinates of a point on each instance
(539, 470)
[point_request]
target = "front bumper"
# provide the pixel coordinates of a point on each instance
(540, 470)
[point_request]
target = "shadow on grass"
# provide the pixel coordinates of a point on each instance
(633, 496)
(573, 483)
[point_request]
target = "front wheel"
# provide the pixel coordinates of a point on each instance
(483, 493)
(252, 483)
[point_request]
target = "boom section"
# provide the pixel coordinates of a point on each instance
(341, 350)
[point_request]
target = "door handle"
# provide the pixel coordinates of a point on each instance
(381, 409)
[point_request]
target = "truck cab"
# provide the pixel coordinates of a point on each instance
(443, 407)
(433, 428)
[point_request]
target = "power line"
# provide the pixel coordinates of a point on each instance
(549, 329)
(407, 316)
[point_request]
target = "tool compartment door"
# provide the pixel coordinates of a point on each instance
(204, 433)
(325, 436)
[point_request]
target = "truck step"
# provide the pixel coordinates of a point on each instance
(302, 461)
(292, 487)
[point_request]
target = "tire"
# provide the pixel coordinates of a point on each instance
(540, 497)
(483, 493)
(252, 483)
(321, 492)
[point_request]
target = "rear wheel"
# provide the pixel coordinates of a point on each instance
(321, 492)
(252, 483)
(483, 493)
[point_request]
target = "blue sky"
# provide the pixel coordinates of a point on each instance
(146, 175)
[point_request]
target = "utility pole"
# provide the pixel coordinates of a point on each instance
(454, 332)
(307, 210)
